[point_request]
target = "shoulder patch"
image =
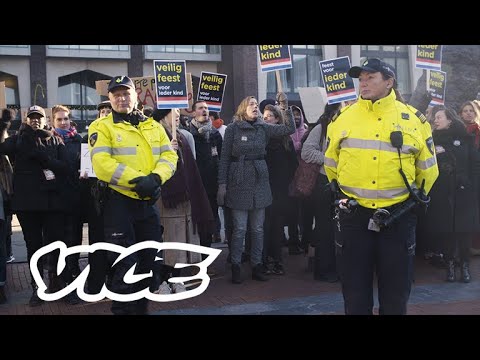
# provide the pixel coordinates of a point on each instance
(422, 117)
(93, 139)
(405, 116)
(430, 145)
(417, 113)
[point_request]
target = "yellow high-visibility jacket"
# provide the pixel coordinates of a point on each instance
(121, 152)
(361, 157)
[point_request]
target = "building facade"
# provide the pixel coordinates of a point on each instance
(65, 74)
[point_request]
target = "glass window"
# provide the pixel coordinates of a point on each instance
(91, 47)
(396, 55)
(11, 89)
(305, 71)
(194, 49)
(299, 71)
(78, 92)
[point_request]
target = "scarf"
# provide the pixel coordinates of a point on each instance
(66, 134)
(475, 130)
(217, 123)
(41, 137)
(186, 184)
(203, 128)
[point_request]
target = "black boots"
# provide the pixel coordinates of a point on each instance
(236, 274)
(35, 300)
(258, 273)
(450, 271)
(3, 297)
(465, 272)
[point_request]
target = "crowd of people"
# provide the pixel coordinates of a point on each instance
(383, 167)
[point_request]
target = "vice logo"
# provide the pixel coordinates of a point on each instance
(129, 278)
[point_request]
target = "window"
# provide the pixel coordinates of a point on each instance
(197, 49)
(78, 92)
(396, 55)
(12, 95)
(91, 47)
(305, 71)
(89, 51)
(183, 52)
(23, 50)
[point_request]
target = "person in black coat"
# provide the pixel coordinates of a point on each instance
(453, 211)
(282, 162)
(38, 183)
(208, 149)
(73, 225)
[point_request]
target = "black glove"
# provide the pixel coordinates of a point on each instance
(147, 186)
(7, 115)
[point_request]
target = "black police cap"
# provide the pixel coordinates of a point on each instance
(118, 81)
(373, 65)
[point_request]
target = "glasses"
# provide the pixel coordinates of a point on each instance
(269, 115)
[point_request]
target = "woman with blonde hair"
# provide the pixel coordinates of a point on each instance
(243, 179)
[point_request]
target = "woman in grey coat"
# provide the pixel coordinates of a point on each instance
(244, 180)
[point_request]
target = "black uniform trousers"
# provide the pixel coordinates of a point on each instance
(127, 222)
(362, 252)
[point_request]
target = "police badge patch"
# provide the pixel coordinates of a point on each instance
(93, 139)
(430, 146)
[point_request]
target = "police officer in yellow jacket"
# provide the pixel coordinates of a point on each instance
(133, 155)
(380, 152)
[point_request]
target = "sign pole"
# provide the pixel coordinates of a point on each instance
(279, 81)
(174, 126)
(428, 80)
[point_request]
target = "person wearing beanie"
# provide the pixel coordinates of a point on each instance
(264, 103)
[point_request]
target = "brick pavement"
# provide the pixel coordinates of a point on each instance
(294, 293)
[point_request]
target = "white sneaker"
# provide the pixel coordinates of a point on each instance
(163, 289)
(10, 259)
(178, 288)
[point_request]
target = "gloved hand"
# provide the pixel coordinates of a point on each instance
(146, 186)
(7, 115)
(282, 100)
(222, 192)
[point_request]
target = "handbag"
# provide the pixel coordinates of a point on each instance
(304, 179)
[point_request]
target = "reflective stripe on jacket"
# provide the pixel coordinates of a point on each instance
(361, 157)
(121, 152)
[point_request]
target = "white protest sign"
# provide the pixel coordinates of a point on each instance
(86, 161)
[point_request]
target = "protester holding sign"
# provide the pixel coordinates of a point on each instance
(282, 161)
(208, 147)
(244, 180)
(184, 208)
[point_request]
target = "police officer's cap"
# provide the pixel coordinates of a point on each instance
(373, 65)
(104, 104)
(118, 81)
